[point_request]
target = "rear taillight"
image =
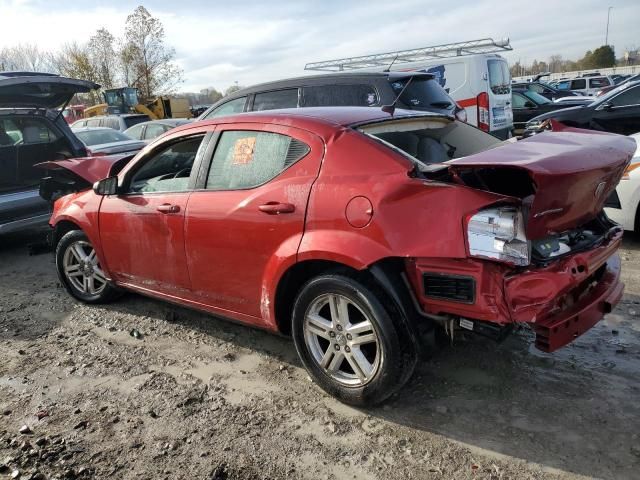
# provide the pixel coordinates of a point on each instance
(461, 114)
(483, 111)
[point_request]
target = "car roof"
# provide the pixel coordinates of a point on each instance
(326, 78)
(164, 121)
(320, 120)
(90, 129)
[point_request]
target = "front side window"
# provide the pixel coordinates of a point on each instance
(94, 122)
(519, 100)
(167, 170)
(229, 108)
(247, 159)
(277, 99)
(340, 96)
(630, 96)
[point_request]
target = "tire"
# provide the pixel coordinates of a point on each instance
(79, 269)
(377, 357)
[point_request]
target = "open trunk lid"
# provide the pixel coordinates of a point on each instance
(563, 178)
(39, 90)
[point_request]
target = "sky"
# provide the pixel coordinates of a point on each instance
(218, 43)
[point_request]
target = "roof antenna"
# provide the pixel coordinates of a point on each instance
(390, 109)
(390, 65)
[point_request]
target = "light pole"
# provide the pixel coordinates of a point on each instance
(606, 38)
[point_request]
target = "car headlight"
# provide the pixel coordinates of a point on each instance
(498, 233)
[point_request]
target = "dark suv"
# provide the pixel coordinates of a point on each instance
(32, 130)
(362, 89)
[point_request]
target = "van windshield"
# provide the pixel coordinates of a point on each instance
(499, 77)
(422, 93)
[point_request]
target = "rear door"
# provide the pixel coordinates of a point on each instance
(499, 93)
(248, 212)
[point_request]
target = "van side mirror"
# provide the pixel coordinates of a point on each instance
(106, 186)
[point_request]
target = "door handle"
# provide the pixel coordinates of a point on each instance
(276, 208)
(168, 208)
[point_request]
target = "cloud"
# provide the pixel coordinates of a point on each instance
(255, 41)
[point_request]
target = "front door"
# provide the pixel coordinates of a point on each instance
(249, 211)
(142, 229)
(622, 113)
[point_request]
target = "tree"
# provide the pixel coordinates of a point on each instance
(26, 57)
(232, 89)
(148, 62)
(601, 57)
(74, 61)
(102, 55)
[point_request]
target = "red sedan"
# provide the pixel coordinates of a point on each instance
(351, 230)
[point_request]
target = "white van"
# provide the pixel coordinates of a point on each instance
(589, 86)
(481, 84)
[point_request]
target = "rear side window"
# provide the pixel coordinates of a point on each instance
(598, 82)
(276, 99)
(246, 159)
(499, 76)
(229, 108)
(136, 132)
(112, 123)
(339, 96)
(578, 84)
(154, 130)
(422, 93)
(131, 121)
(95, 122)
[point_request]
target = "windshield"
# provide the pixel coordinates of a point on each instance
(425, 93)
(98, 137)
(499, 76)
(536, 97)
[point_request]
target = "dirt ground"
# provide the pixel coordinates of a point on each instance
(142, 389)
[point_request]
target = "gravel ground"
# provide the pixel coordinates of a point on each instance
(142, 389)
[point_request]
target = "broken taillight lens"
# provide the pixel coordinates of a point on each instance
(498, 233)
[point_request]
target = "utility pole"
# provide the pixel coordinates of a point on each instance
(606, 38)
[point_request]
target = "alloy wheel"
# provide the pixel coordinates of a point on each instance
(82, 268)
(342, 339)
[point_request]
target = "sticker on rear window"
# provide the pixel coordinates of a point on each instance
(243, 150)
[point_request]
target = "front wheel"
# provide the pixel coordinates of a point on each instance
(79, 269)
(353, 346)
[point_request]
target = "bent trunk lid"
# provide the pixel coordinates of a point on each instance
(572, 173)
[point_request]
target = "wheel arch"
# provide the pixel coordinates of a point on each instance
(385, 276)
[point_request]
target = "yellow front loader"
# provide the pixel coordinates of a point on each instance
(125, 100)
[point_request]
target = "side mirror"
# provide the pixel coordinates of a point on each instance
(529, 105)
(106, 186)
(607, 106)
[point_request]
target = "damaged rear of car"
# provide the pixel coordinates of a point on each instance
(538, 248)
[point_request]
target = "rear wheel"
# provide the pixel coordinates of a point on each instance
(79, 269)
(352, 345)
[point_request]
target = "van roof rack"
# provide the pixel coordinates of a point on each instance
(471, 47)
